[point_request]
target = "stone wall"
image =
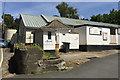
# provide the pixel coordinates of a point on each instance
(31, 61)
(25, 61)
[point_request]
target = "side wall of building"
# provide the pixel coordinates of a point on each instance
(82, 35)
(93, 39)
(22, 32)
(38, 38)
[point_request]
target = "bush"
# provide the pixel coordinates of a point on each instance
(26, 47)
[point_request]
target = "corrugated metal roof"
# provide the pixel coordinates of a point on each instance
(77, 22)
(32, 21)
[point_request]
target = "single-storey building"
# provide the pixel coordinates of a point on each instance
(56, 33)
(28, 23)
(92, 35)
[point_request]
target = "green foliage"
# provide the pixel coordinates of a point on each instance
(66, 11)
(63, 69)
(26, 47)
(48, 55)
(113, 17)
(10, 22)
(34, 72)
(16, 23)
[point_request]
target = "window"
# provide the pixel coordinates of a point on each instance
(95, 31)
(63, 34)
(118, 31)
(49, 35)
(112, 31)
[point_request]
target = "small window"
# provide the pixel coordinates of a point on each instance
(63, 34)
(49, 35)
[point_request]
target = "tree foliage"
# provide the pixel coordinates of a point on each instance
(113, 17)
(66, 11)
(10, 22)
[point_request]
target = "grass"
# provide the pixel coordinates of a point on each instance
(48, 55)
(34, 72)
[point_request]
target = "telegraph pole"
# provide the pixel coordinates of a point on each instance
(3, 32)
(3, 26)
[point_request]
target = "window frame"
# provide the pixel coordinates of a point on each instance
(49, 35)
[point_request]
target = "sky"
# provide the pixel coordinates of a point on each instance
(85, 9)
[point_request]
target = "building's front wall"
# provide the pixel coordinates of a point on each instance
(93, 39)
(48, 44)
(63, 35)
(86, 38)
(82, 35)
(117, 37)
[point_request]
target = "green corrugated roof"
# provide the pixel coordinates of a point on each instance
(77, 22)
(33, 21)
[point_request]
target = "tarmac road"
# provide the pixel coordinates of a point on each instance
(106, 67)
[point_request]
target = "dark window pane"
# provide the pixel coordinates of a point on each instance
(49, 35)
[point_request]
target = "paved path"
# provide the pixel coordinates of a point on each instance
(106, 67)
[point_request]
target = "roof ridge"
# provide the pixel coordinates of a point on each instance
(30, 14)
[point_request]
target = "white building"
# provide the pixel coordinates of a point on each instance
(92, 35)
(56, 33)
(97, 37)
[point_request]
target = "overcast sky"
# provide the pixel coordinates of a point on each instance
(85, 9)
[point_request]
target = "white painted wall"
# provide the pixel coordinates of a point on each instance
(73, 39)
(50, 44)
(117, 36)
(87, 39)
(9, 33)
(29, 37)
(82, 35)
(119, 39)
(98, 39)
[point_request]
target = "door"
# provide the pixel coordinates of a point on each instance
(112, 36)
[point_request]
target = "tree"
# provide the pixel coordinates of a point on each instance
(105, 18)
(99, 18)
(113, 17)
(8, 20)
(93, 18)
(16, 23)
(66, 11)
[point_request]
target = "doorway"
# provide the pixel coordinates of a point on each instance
(112, 35)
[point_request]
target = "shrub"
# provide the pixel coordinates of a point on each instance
(26, 47)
